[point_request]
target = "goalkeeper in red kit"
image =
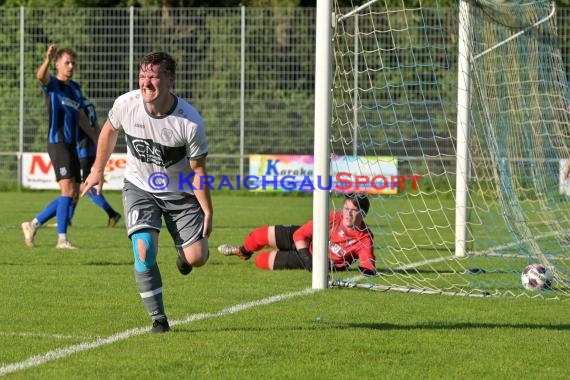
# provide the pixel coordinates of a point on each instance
(350, 240)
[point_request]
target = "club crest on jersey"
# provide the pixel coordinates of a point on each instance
(166, 134)
(151, 152)
(63, 171)
(336, 249)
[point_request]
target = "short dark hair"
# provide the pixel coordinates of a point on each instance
(65, 50)
(165, 60)
(359, 200)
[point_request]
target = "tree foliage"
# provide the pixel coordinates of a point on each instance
(212, 3)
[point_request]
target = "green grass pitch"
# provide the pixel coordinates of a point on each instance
(77, 314)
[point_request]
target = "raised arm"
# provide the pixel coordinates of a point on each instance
(43, 74)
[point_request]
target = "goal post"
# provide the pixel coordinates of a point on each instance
(463, 104)
(323, 81)
(472, 102)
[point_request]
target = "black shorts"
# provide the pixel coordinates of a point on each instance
(287, 256)
(284, 237)
(65, 161)
(86, 163)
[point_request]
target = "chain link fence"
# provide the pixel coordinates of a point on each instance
(249, 71)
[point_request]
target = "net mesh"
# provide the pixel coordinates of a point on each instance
(395, 95)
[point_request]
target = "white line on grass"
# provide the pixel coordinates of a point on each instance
(423, 262)
(404, 267)
(61, 353)
(44, 335)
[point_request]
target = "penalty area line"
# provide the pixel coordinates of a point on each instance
(62, 353)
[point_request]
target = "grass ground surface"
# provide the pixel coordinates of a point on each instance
(77, 315)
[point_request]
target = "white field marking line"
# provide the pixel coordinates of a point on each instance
(405, 267)
(424, 262)
(520, 256)
(62, 353)
(43, 335)
(496, 248)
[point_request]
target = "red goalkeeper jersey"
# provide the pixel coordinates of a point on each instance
(345, 245)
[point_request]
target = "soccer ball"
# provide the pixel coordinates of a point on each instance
(536, 277)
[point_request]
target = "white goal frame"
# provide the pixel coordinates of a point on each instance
(323, 104)
(323, 109)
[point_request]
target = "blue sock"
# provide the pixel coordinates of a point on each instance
(48, 212)
(62, 214)
(71, 211)
(100, 201)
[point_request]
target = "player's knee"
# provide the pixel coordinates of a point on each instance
(197, 254)
(259, 235)
(143, 249)
(198, 259)
(262, 260)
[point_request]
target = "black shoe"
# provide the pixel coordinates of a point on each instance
(183, 266)
(160, 326)
(113, 220)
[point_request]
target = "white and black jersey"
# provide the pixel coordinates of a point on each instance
(158, 148)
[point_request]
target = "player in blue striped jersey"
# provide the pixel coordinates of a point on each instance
(65, 106)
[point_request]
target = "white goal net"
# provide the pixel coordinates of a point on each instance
(475, 100)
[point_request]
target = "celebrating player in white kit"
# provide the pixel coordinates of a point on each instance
(166, 141)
